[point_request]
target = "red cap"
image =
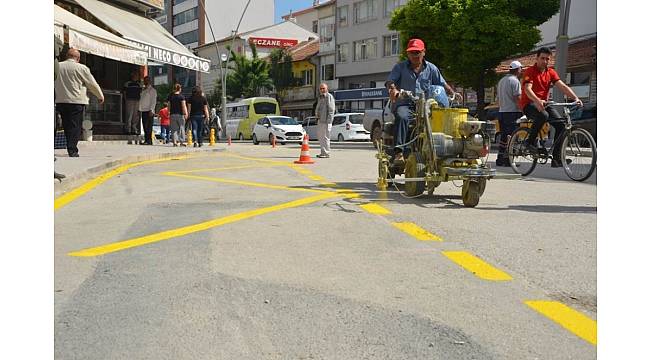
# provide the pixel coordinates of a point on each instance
(415, 45)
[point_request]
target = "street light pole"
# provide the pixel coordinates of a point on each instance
(224, 57)
(562, 46)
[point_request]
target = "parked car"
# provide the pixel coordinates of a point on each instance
(284, 128)
(373, 121)
(349, 126)
(310, 125)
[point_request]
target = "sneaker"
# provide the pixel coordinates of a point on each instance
(196, 145)
(503, 162)
(322, 156)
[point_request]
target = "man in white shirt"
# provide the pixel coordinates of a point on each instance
(147, 109)
(325, 113)
(70, 88)
(508, 93)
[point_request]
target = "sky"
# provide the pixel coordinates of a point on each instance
(282, 7)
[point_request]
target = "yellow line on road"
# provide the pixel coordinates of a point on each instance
(375, 209)
(81, 190)
(416, 231)
(245, 183)
(225, 168)
(165, 235)
(476, 266)
(572, 320)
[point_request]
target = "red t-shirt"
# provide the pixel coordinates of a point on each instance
(164, 116)
(542, 81)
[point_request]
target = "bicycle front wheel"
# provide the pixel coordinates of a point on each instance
(521, 160)
(578, 154)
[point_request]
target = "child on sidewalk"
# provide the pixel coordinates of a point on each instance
(163, 114)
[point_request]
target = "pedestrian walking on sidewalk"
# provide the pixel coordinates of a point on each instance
(132, 91)
(177, 114)
(508, 94)
(148, 99)
(163, 114)
(325, 113)
(71, 98)
(198, 108)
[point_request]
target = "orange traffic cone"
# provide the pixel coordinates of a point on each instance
(304, 152)
(272, 140)
(229, 140)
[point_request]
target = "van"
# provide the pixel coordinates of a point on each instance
(244, 114)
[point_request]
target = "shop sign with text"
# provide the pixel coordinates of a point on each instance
(272, 42)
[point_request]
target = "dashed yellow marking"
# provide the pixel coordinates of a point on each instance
(476, 266)
(244, 183)
(225, 168)
(416, 231)
(375, 209)
(169, 234)
(81, 190)
(316, 178)
(572, 320)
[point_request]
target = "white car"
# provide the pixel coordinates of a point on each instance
(310, 124)
(349, 126)
(284, 128)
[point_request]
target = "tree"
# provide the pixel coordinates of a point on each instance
(249, 76)
(281, 72)
(163, 91)
(469, 38)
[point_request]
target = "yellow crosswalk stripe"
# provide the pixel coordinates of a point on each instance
(572, 320)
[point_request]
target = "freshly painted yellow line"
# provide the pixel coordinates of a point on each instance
(572, 320)
(316, 178)
(261, 160)
(225, 168)
(165, 235)
(245, 183)
(81, 190)
(375, 209)
(477, 266)
(416, 231)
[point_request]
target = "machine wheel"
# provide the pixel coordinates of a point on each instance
(255, 141)
(340, 138)
(471, 193)
(482, 183)
(270, 138)
(578, 154)
(414, 168)
(521, 161)
(241, 137)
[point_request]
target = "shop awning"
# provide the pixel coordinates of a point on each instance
(160, 44)
(94, 40)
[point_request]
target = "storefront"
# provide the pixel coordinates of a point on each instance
(357, 100)
(122, 28)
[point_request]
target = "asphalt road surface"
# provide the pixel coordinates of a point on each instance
(240, 254)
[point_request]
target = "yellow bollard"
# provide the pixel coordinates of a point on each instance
(190, 141)
(212, 141)
(153, 138)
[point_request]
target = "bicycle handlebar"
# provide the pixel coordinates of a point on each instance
(553, 103)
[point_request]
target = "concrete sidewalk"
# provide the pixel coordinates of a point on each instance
(97, 157)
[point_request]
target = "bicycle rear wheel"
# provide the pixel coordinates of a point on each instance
(578, 154)
(521, 160)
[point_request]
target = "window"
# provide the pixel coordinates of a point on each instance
(391, 45)
(580, 83)
(365, 10)
(327, 72)
(391, 5)
(188, 37)
(264, 108)
(326, 33)
(342, 51)
(338, 120)
(314, 26)
(186, 16)
(365, 49)
(342, 16)
(306, 77)
(176, 2)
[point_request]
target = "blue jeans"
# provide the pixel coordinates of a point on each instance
(403, 117)
(197, 128)
(165, 133)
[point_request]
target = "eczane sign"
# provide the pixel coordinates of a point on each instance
(272, 42)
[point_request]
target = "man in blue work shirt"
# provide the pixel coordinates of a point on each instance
(416, 75)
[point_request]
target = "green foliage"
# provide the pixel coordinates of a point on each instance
(281, 72)
(163, 91)
(467, 39)
(248, 76)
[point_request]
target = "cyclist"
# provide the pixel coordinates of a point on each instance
(537, 82)
(416, 75)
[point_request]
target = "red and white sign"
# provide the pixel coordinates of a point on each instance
(272, 42)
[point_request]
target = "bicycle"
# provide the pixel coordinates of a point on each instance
(577, 152)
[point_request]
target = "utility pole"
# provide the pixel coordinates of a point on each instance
(562, 46)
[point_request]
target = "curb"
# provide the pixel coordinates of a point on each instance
(74, 180)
